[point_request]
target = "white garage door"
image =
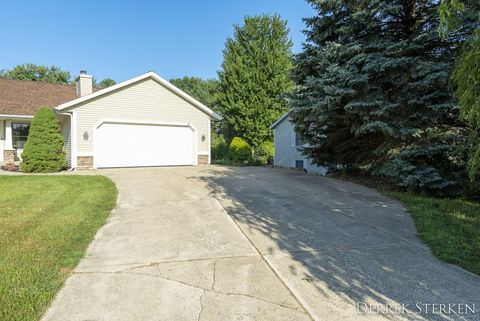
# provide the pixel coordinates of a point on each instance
(130, 145)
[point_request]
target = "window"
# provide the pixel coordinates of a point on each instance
(298, 140)
(299, 164)
(20, 134)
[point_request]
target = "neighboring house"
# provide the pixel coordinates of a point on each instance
(288, 147)
(144, 121)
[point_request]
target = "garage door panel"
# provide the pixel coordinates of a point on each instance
(131, 145)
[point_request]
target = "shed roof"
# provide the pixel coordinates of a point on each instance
(281, 119)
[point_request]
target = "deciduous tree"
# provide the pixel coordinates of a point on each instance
(454, 17)
(107, 82)
(255, 74)
(34, 72)
(203, 90)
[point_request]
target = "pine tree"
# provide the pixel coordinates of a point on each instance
(255, 74)
(373, 92)
(43, 150)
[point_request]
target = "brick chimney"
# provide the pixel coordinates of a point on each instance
(84, 84)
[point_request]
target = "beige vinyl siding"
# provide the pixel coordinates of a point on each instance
(67, 141)
(143, 101)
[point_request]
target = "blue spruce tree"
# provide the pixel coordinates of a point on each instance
(372, 92)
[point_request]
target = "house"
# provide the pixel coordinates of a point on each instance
(288, 147)
(144, 121)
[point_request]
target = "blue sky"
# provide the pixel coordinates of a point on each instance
(122, 39)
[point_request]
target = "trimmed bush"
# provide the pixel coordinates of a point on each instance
(264, 152)
(240, 151)
(43, 150)
(219, 147)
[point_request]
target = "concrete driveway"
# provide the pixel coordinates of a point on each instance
(251, 243)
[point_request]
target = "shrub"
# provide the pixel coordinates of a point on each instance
(264, 152)
(240, 151)
(219, 147)
(43, 149)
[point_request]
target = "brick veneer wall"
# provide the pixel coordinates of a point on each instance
(8, 156)
(85, 162)
(202, 159)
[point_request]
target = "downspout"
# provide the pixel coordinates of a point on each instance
(73, 139)
(209, 141)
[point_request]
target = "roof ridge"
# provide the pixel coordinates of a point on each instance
(151, 74)
(37, 81)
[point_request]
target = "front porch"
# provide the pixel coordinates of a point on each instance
(13, 136)
(14, 131)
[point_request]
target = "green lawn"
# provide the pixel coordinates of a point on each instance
(46, 223)
(451, 228)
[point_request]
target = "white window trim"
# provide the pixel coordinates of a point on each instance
(293, 142)
(14, 122)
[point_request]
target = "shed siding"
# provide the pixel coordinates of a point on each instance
(285, 153)
(145, 100)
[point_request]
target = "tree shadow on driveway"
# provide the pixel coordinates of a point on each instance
(340, 246)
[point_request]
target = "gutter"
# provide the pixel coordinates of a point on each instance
(15, 116)
(73, 138)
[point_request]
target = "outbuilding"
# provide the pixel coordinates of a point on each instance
(288, 146)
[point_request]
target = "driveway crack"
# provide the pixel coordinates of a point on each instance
(205, 290)
(214, 275)
(201, 306)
